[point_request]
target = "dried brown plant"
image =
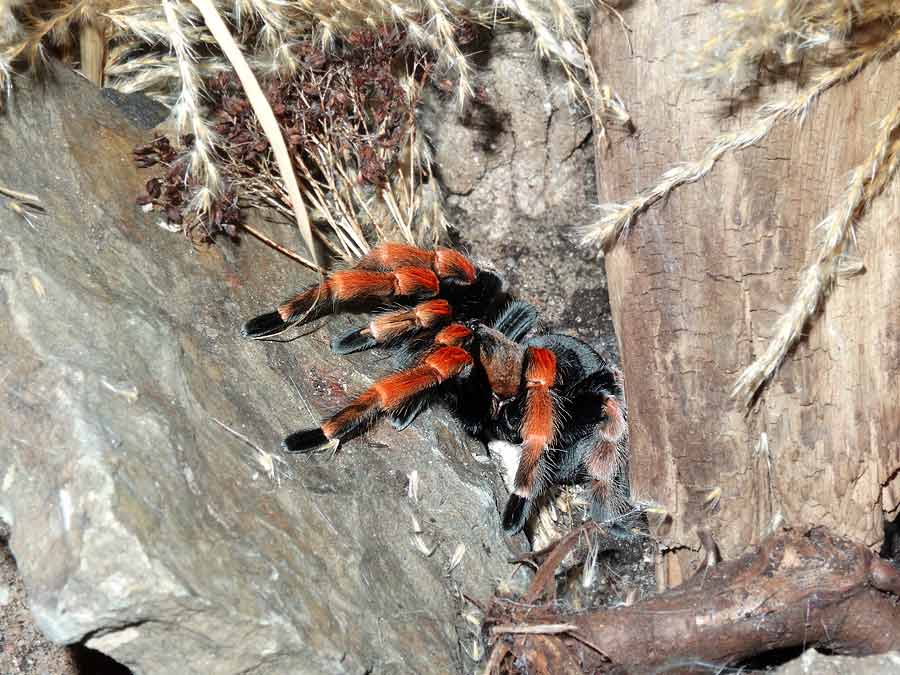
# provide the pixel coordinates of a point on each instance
(163, 48)
(840, 38)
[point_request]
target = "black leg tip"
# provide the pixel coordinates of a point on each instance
(263, 326)
(308, 440)
(515, 515)
(400, 419)
(352, 341)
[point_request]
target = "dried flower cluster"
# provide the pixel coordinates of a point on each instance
(370, 166)
(346, 118)
(839, 37)
(171, 192)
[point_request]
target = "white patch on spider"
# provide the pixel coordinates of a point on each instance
(507, 455)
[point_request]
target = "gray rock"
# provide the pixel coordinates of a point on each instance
(519, 177)
(814, 663)
(138, 522)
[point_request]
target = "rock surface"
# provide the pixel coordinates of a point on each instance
(519, 176)
(23, 650)
(138, 522)
(814, 663)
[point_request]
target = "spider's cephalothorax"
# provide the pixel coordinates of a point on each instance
(462, 340)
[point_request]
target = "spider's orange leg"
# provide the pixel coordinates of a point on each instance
(388, 327)
(537, 431)
(388, 273)
(342, 289)
(388, 395)
(444, 262)
(606, 459)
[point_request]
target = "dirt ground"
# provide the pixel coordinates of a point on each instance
(23, 650)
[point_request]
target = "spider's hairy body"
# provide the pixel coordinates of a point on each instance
(460, 339)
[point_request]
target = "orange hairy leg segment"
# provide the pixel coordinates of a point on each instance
(415, 281)
(538, 422)
(450, 264)
(393, 255)
(445, 262)
(395, 390)
(359, 409)
(392, 325)
(356, 284)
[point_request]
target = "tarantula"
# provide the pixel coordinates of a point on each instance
(461, 339)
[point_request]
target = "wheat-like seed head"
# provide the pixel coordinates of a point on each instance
(867, 181)
(780, 32)
(188, 110)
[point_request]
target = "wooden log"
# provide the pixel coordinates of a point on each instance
(799, 588)
(698, 282)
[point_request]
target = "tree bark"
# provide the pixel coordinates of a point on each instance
(698, 282)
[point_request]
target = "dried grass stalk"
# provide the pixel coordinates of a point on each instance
(867, 181)
(189, 116)
(131, 36)
(92, 44)
(263, 113)
(620, 216)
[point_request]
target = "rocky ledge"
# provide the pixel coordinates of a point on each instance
(140, 520)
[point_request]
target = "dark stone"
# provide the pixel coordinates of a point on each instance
(519, 176)
(141, 524)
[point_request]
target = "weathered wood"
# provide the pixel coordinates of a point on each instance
(800, 588)
(698, 282)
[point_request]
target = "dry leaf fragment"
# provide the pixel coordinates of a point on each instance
(457, 557)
